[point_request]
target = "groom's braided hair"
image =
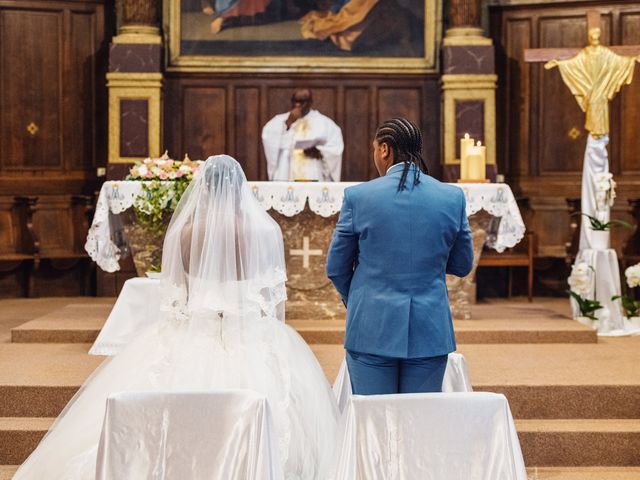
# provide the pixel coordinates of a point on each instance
(405, 139)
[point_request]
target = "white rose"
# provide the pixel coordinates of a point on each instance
(633, 276)
(185, 168)
(581, 268)
(143, 170)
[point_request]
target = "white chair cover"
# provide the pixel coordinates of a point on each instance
(429, 436)
(456, 379)
(187, 435)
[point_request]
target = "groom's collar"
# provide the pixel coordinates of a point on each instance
(398, 167)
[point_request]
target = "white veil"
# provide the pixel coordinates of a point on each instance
(223, 254)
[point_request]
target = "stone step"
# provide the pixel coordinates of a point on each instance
(20, 436)
(77, 323)
(580, 443)
(570, 401)
(42, 386)
(7, 471)
(584, 473)
(545, 443)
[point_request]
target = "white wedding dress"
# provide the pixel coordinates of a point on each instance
(222, 327)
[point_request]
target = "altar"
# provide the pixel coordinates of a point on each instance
(307, 214)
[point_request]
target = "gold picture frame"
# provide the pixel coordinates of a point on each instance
(429, 63)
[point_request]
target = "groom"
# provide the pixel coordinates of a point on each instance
(396, 238)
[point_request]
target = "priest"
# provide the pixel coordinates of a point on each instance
(303, 144)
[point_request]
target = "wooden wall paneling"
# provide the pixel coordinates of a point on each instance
(630, 100)
(8, 233)
(204, 121)
(248, 130)
(81, 83)
(31, 88)
(357, 133)
(517, 94)
(431, 126)
(561, 118)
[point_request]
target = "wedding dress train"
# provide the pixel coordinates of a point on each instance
(222, 295)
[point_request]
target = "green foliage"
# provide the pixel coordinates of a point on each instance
(630, 306)
(587, 306)
(602, 226)
(157, 202)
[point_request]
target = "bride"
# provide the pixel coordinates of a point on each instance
(222, 293)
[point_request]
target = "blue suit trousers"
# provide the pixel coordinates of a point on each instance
(377, 375)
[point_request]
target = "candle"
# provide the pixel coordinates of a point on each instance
(465, 144)
(476, 160)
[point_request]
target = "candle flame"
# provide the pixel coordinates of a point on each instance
(479, 144)
(466, 136)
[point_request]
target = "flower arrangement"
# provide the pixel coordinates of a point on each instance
(580, 282)
(164, 182)
(605, 190)
(164, 169)
(630, 306)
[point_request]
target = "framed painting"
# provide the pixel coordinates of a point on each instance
(302, 35)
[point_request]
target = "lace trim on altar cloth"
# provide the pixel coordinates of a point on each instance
(289, 199)
(496, 199)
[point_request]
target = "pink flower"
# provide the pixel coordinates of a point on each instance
(179, 173)
(163, 175)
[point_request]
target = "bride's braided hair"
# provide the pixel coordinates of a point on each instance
(405, 139)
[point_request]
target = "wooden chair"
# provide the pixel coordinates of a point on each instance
(19, 244)
(522, 255)
(65, 249)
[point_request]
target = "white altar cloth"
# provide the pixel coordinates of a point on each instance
(188, 435)
(137, 308)
(456, 379)
(289, 198)
(429, 436)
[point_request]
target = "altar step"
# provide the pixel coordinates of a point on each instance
(580, 442)
(550, 473)
(582, 473)
(81, 323)
(545, 443)
(602, 383)
(20, 436)
(7, 471)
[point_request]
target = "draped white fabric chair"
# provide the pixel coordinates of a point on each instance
(429, 436)
(221, 435)
(456, 379)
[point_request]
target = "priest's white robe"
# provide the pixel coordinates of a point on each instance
(284, 149)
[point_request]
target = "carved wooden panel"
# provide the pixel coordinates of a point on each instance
(30, 99)
(207, 114)
(630, 101)
(204, 112)
(52, 58)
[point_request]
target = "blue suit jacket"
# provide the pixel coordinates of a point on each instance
(388, 258)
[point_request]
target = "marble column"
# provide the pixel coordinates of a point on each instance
(135, 86)
(468, 86)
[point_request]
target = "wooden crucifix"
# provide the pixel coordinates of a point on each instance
(594, 74)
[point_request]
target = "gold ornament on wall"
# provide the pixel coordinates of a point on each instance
(33, 128)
